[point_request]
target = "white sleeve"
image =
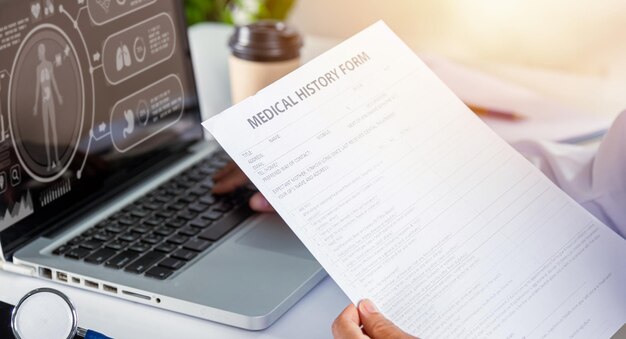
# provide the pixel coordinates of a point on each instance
(593, 176)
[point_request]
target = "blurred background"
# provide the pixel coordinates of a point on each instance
(585, 36)
(571, 51)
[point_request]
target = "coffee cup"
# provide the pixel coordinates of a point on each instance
(261, 53)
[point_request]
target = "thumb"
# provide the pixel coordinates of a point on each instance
(376, 325)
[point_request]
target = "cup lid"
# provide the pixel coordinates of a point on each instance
(265, 41)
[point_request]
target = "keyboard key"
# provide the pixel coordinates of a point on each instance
(207, 183)
(166, 247)
(128, 220)
(207, 199)
(164, 230)
(90, 232)
(204, 175)
(222, 207)
(186, 184)
(117, 245)
(103, 236)
(152, 239)
(141, 229)
(212, 215)
(188, 230)
(198, 207)
(177, 206)
(187, 215)
(91, 244)
(102, 224)
(196, 176)
(177, 239)
(172, 263)
(200, 222)
(160, 273)
(225, 225)
(198, 190)
(76, 240)
(140, 213)
(146, 261)
(129, 236)
(139, 247)
(197, 245)
(184, 254)
(77, 253)
(154, 221)
(175, 191)
(187, 199)
(61, 249)
(219, 162)
(100, 256)
(163, 198)
(114, 228)
(206, 171)
(152, 205)
(122, 259)
(164, 214)
(177, 223)
(167, 186)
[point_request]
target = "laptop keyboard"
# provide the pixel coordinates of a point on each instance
(162, 231)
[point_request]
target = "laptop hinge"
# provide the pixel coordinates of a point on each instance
(2, 258)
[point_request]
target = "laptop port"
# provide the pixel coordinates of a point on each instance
(45, 272)
(91, 284)
(62, 276)
(76, 280)
(110, 289)
(137, 295)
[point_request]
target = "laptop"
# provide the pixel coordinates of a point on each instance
(105, 174)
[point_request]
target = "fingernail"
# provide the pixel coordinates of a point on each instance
(264, 203)
(367, 306)
(259, 203)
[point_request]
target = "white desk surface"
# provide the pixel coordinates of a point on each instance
(313, 315)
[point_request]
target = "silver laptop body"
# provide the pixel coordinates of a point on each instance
(247, 278)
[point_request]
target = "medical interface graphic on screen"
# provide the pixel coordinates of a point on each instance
(77, 78)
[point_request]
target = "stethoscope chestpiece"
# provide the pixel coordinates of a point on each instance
(44, 313)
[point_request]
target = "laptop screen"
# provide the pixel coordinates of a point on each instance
(94, 95)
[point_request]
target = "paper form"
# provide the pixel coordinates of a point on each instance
(405, 197)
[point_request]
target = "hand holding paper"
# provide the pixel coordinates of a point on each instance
(405, 197)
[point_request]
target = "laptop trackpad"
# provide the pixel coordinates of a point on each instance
(272, 234)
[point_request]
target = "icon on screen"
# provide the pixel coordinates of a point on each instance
(16, 175)
(130, 123)
(3, 182)
(122, 57)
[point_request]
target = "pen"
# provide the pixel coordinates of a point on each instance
(494, 113)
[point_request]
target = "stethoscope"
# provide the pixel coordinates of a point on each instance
(48, 313)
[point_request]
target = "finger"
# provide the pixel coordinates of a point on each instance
(347, 325)
(260, 204)
(376, 325)
(230, 183)
(227, 169)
